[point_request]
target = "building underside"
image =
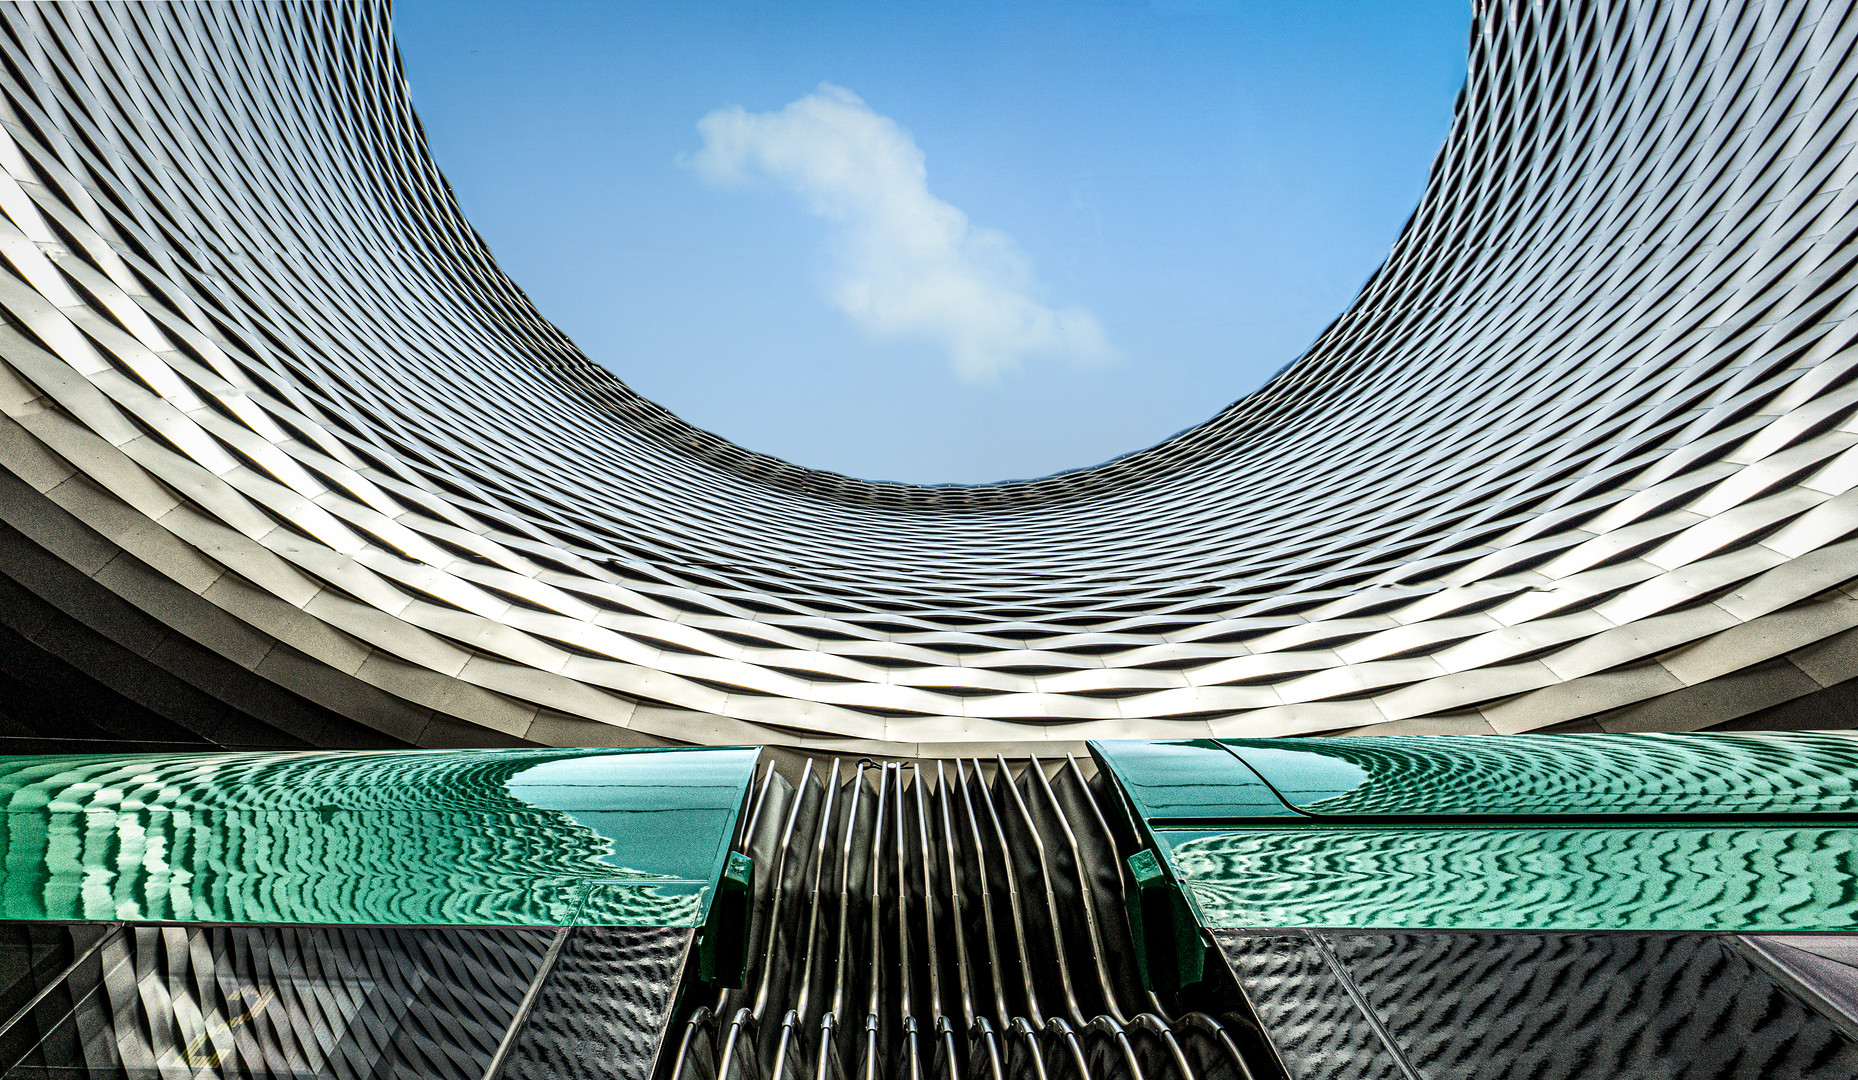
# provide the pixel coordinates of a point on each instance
(367, 654)
(285, 460)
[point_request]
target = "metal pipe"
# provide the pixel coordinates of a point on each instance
(1067, 1035)
(984, 1034)
(905, 1004)
(1034, 1055)
(1051, 897)
(1019, 1045)
(1122, 869)
(987, 907)
(906, 1011)
(1084, 893)
(1012, 896)
(742, 1019)
(788, 1023)
(876, 924)
(780, 891)
(1213, 1027)
(691, 1027)
(945, 1031)
(929, 938)
(828, 1031)
(747, 841)
(828, 1024)
(819, 870)
(954, 899)
(791, 1022)
(1120, 1039)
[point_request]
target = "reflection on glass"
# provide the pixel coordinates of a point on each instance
(435, 838)
(284, 1002)
(1767, 772)
(1510, 877)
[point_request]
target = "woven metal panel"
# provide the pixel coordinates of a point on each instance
(1581, 445)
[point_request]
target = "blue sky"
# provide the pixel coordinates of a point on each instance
(938, 242)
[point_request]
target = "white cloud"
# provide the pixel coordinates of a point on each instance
(906, 264)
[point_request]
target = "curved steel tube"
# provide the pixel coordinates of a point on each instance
(910, 1010)
(1085, 894)
(994, 968)
(1044, 866)
(1033, 1012)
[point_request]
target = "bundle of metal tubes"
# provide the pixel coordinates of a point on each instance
(952, 920)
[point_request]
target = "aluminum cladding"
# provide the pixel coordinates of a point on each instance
(1581, 450)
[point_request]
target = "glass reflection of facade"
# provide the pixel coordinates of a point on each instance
(317, 914)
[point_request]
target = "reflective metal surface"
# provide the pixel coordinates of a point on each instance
(115, 1001)
(274, 427)
(147, 1002)
(1693, 832)
(952, 920)
(1715, 774)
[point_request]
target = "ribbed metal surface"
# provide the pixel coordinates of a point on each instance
(1582, 445)
(950, 921)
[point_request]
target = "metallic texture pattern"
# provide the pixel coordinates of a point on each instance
(1173, 780)
(1700, 831)
(947, 920)
(283, 1002)
(1320, 1030)
(1581, 452)
(1823, 968)
(603, 1008)
(1531, 1006)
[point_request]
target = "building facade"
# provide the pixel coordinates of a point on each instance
(320, 547)
(286, 460)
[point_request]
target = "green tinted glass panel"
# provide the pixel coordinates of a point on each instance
(1619, 877)
(1188, 778)
(1561, 774)
(479, 837)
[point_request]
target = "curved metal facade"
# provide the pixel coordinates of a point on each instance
(280, 437)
